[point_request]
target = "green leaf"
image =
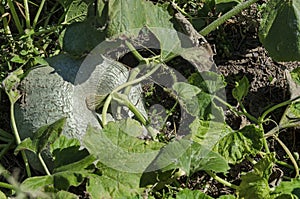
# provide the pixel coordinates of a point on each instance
(76, 165)
(255, 184)
(81, 37)
(38, 183)
(280, 29)
(199, 57)
(2, 195)
(208, 133)
(187, 95)
(295, 109)
(44, 136)
(209, 82)
(48, 134)
(63, 180)
(117, 146)
(241, 89)
(227, 197)
(10, 84)
(76, 10)
(126, 15)
(288, 187)
(65, 195)
(187, 193)
(189, 157)
(26, 144)
(113, 184)
(131, 16)
(295, 74)
(235, 146)
(63, 161)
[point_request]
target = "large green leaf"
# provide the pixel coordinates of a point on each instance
(130, 16)
(208, 133)
(81, 37)
(255, 184)
(190, 157)
(235, 146)
(114, 184)
(117, 146)
(291, 188)
(280, 29)
(127, 15)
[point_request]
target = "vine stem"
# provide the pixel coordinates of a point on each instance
(15, 16)
(215, 24)
(290, 155)
(38, 14)
(285, 103)
(17, 137)
(135, 81)
(221, 180)
(43, 164)
(27, 14)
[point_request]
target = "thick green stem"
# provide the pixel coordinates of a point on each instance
(17, 137)
(215, 24)
(290, 155)
(129, 83)
(38, 14)
(7, 186)
(15, 16)
(265, 143)
(247, 114)
(43, 164)
(285, 103)
(224, 182)
(27, 14)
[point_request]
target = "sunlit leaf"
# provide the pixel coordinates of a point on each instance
(289, 189)
(235, 146)
(280, 30)
(241, 89)
(187, 193)
(255, 184)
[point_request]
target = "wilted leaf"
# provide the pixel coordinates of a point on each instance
(280, 30)
(241, 89)
(235, 146)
